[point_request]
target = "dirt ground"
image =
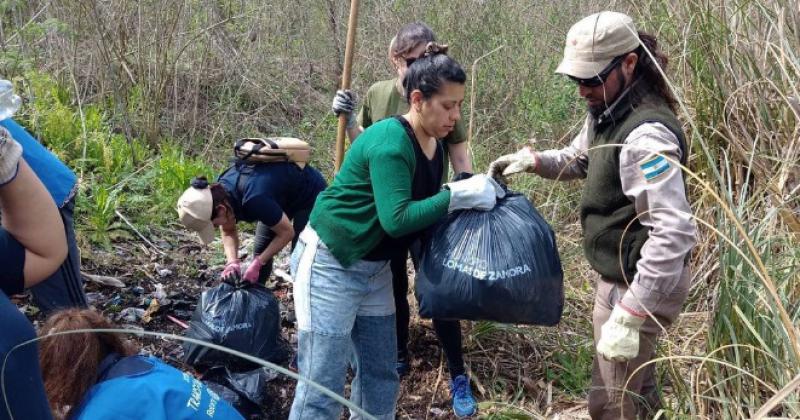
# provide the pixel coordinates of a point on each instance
(181, 268)
(183, 274)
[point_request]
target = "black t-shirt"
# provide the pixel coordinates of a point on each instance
(12, 261)
(426, 183)
(264, 191)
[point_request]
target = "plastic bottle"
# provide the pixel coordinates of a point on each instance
(9, 102)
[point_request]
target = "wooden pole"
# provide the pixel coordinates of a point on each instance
(348, 68)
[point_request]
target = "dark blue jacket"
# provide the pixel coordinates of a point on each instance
(263, 192)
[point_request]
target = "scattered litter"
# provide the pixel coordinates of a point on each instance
(104, 280)
(130, 315)
(177, 321)
(114, 301)
(151, 310)
(161, 270)
(94, 297)
(159, 293)
(137, 290)
(437, 412)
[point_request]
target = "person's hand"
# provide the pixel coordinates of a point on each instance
(232, 271)
(344, 102)
(478, 192)
(619, 336)
(251, 274)
(524, 160)
(10, 153)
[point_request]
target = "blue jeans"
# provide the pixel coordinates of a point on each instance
(343, 312)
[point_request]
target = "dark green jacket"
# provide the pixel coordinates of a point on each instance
(613, 237)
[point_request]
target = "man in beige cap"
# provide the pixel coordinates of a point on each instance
(636, 219)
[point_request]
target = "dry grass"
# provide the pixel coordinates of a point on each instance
(205, 72)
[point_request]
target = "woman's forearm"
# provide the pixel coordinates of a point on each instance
(459, 157)
(230, 243)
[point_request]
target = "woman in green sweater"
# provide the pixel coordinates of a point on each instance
(384, 99)
(386, 193)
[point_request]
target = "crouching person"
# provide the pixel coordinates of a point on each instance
(278, 196)
(98, 375)
(32, 246)
(387, 192)
(64, 287)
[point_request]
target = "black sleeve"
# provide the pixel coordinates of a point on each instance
(12, 261)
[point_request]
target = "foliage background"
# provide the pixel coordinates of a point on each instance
(139, 96)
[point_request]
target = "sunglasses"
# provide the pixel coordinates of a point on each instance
(601, 77)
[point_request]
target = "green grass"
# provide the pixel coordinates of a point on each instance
(118, 174)
(570, 370)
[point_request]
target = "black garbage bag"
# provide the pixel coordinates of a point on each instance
(501, 265)
(245, 391)
(239, 316)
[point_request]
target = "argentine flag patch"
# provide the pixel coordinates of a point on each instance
(654, 167)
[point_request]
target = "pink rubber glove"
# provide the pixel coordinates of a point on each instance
(232, 268)
(253, 269)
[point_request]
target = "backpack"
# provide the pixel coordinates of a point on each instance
(272, 149)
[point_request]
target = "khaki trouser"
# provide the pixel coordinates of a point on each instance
(616, 393)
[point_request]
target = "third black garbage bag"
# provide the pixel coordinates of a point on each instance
(501, 265)
(245, 391)
(241, 316)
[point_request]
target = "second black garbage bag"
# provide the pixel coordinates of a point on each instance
(500, 265)
(241, 316)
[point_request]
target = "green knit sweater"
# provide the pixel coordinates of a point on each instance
(371, 195)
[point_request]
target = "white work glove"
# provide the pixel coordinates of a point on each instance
(619, 336)
(344, 102)
(524, 160)
(10, 153)
(478, 192)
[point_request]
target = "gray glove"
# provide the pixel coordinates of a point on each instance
(479, 192)
(10, 152)
(524, 160)
(344, 102)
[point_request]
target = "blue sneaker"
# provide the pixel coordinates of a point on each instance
(464, 405)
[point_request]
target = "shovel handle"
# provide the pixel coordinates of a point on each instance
(347, 71)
